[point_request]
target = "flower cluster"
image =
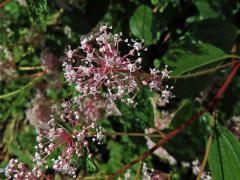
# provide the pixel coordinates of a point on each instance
(93, 109)
(97, 68)
(40, 111)
(99, 72)
(70, 131)
(16, 170)
(49, 61)
(196, 171)
(233, 125)
(101, 75)
(147, 174)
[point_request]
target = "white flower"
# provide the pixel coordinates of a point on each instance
(69, 53)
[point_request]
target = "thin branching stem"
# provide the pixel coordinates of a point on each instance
(131, 134)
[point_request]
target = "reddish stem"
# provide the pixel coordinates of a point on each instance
(179, 129)
(4, 3)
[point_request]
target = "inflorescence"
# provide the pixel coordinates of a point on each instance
(97, 68)
(101, 75)
(69, 130)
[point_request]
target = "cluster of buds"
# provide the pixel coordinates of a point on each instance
(7, 65)
(93, 109)
(49, 61)
(196, 170)
(70, 132)
(152, 174)
(233, 125)
(147, 174)
(16, 170)
(40, 111)
(97, 68)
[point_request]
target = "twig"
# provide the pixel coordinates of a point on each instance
(167, 37)
(30, 68)
(4, 3)
(132, 134)
(205, 157)
(93, 177)
(209, 143)
(175, 132)
(22, 88)
(137, 177)
(38, 74)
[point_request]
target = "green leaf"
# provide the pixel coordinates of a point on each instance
(157, 63)
(192, 57)
(21, 154)
(121, 152)
(184, 112)
(154, 2)
(224, 156)
(91, 166)
(142, 114)
(116, 152)
(38, 12)
(141, 24)
(219, 33)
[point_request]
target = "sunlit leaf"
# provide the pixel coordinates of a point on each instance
(224, 156)
(141, 24)
(38, 12)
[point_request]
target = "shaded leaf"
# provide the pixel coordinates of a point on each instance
(190, 143)
(192, 57)
(205, 10)
(188, 88)
(98, 7)
(219, 33)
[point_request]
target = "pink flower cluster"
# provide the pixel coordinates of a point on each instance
(99, 72)
(17, 171)
(101, 75)
(71, 130)
(97, 68)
